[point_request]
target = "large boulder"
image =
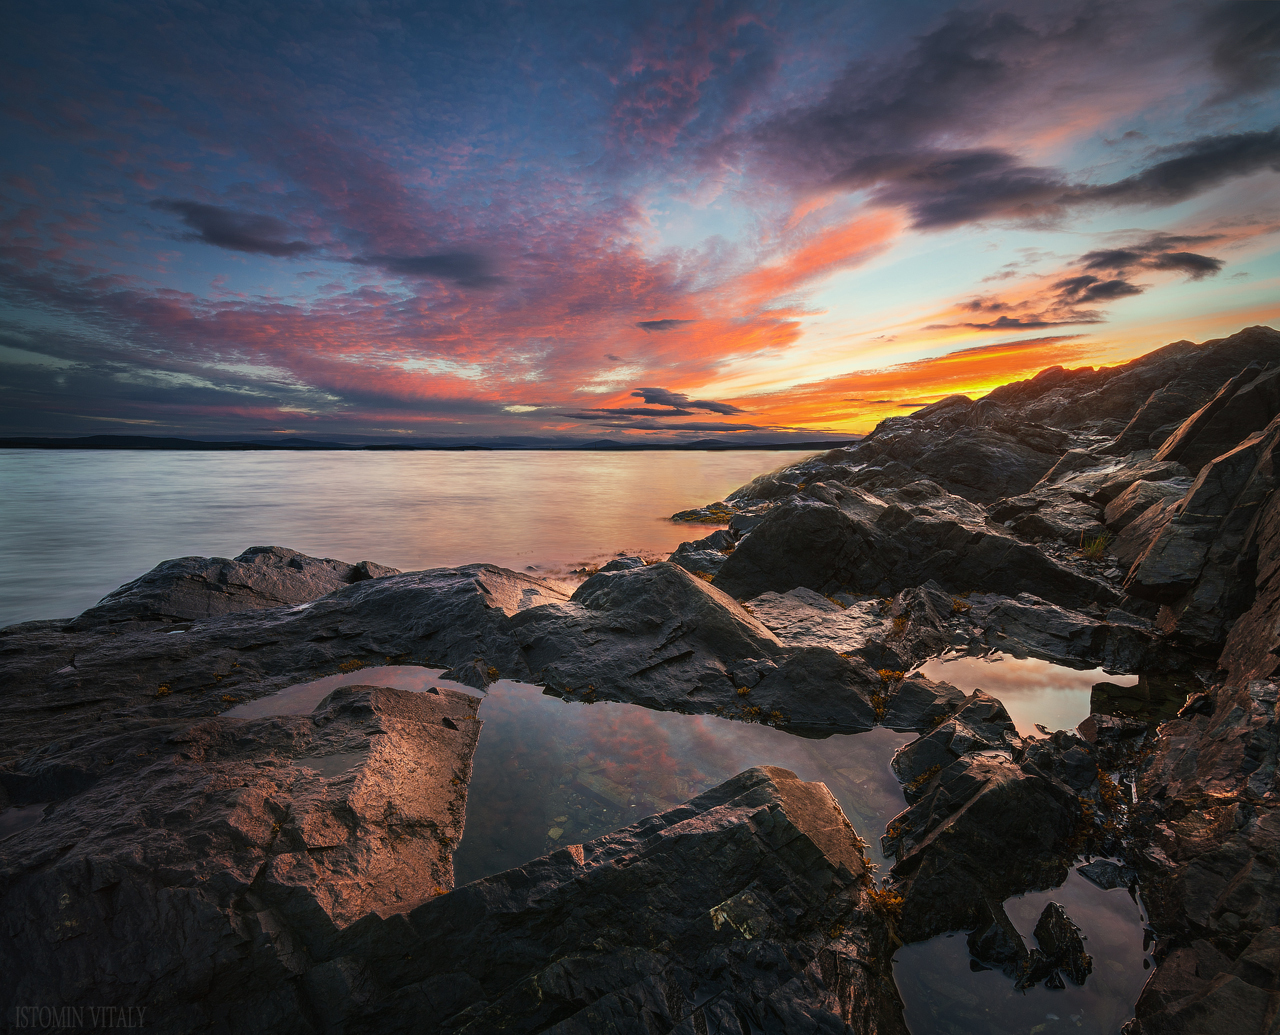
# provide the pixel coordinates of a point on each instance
(1198, 563)
(189, 588)
(983, 829)
(1245, 404)
(820, 547)
(198, 865)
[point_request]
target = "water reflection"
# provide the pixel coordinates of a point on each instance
(1032, 691)
(944, 997)
(549, 772)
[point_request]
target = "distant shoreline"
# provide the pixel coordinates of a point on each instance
(125, 442)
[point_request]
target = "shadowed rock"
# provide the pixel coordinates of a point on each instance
(201, 587)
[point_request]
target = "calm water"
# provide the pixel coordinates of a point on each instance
(549, 772)
(1032, 691)
(74, 525)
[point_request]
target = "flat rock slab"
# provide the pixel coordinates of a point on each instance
(215, 855)
(803, 618)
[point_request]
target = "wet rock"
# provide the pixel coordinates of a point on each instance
(996, 943)
(1252, 647)
(821, 548)
(1154, 698)
(918, 703)
(980, 724)
(1109, 875)
(702, 555)
(1245, 404)
(1138, 498)
(656, 636)
(741, 909)
(114, 679)
(1061, 944)
(1138, 535)
(189, 588)
(815, 692)
(626, 563)
(206, 862)
(803, 618)
(1195, 563)
(1028, 626)
(984, 829)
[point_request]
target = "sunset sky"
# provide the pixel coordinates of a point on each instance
(377, 221)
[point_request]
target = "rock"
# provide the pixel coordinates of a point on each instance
(1154, 698)
(819, 547)
(986, 828)
(655, 636)
(119, 678)
(627, 563)
(739, 909)
(1141, 532)
(919, 704)
(206, 862)
(1061, 944)
(668, 920)
(1245, 404)
(1138, 498)
(1252, 647)
(1071, 462)
(1193, 564)
(1028, 626)
(1109, 875)
(816, 692)
(190, 588)
(980, 724)
(803, 618)
(705, 556)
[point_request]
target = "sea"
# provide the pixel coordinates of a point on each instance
(76, 524)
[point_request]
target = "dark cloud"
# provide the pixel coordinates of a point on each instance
(663, 397)
(1160, 252)
(237, 231)
(889, 130)
(1022, 323)
(1246, 51)
(1199, 165)
(649, 326)
(466, 269)
(1087, 288)
(603, 413)
(612, 357)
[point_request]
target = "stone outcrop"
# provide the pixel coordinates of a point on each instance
(1199, 564)
(190, 864)
(189, 588)
(744, 909)
(1212, 882)
(818, 546)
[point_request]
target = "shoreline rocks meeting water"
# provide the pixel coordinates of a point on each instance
(294, 872)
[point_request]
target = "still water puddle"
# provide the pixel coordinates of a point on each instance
(1032, 691)
(943, 996)
(548, 772)
(18, 818)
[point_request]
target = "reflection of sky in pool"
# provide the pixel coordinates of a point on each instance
(942, 994)
(1032, 691)
(549, 772)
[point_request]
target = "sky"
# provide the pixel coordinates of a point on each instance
(393, 221)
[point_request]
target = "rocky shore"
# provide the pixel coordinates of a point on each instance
(294, 873)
